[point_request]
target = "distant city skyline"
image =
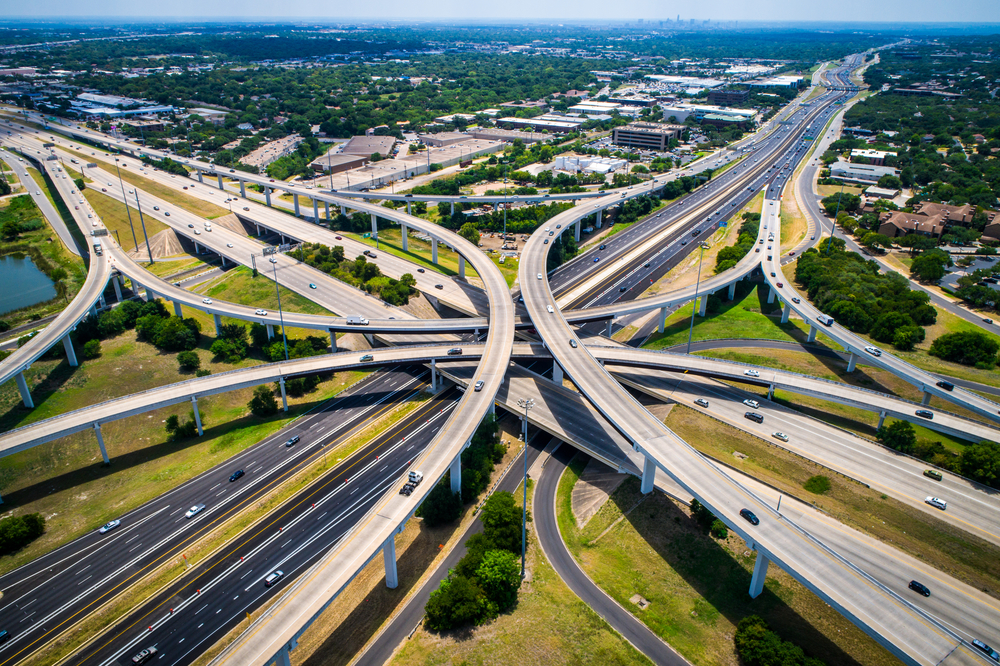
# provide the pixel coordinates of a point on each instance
(909, 11)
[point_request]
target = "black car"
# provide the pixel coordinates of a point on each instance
(947, 386)
(925, 414)
(919, 587)
(237, 474)
(749, 516)
(292, 441)
(602, 246)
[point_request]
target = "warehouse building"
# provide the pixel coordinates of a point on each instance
(338, 162)
(369, 145)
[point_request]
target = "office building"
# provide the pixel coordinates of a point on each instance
(728, 97)
(647, 136)
(860, 173)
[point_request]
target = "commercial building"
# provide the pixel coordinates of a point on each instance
(787, 81)
(876, 157)
(642, 101)
(881, 192)
(648, 136)
(369, 145)
(594, 108)
(588, 164)
(728, 97)
(861, 173)
(539, 124)
(681, 112)
(442, 138)
(509, 136)
(338, 162)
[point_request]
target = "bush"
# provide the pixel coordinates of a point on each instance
(456, 603)
(719, 529)
(17, 532)
(898, 435)
(188, 361)
(91, 349)
(967, 347)
(981, 462)
(263, 403)
(499, 576)
(501, 518)
(701, 514)
(204, 372)
(441, 506)
(817, 484)
(757, 645)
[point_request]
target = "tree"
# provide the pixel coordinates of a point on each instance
(501, 518)
(80, 185)
(17, 532)
(456, 603)
(929, 266)
(441, 506)
(968, 348)
(499, 575)
(189, 361)
(981, 462)
(470, 233)
(91, 349)
(10, 229)
(898, 435)
(263, 404)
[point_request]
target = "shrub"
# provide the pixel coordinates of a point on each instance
(898, 435)
(263, 403)
(91, 349)
(719, 529)
(204, 372)
(966, 347)
(757, 645)
(499, 576)
(817, 484)
(188, 361)
(17, 532)
(441, 506)
(501, 518)
(456, 603)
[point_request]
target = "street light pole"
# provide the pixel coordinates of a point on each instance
(833, 225)
(143, 223)
(694, 305)
(281, 317)
(125, 201)
(527, 404)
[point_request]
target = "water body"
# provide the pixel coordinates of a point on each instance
(22, 283)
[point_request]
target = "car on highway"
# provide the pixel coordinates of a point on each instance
(773, 274)
(751, 403)
(947, 386)
(166, 213)
(479, 385)
(420, 270)
(144, 656)
(596, 259)
(749, 516)
(925, 414)
(874, 351)
(986, 649)
(701, 402)
(751, 373)
(292, 441)
(206, 301)
(107, 527)
(273, 260)
(602, 246)
(273, 578)
(262, 313)
(197, 232)
(933, 474)
(194, 511)
(572, 343)
(455, 351)
(754, 416)
(545, 242)
(780, 435)
(987, 320)
(549, 309)
(780, 285)
(367, 357)
(919, 588)
(936, 502)
(235, 475)
(439, 286)
(539, 276)
(156, 208)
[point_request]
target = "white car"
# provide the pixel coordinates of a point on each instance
(229, 244)
(109, 526)
(262, 313)
(206, 301)
(751, 403)
(780, 435)
(874, 351)
(549, 308)
(937, 503)
(194, 511)
(539, 276)
(751, 373)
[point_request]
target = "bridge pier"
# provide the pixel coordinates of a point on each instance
(785, 313)
(267, 197)
(703, 305)
(576, 230)
(22, 386)
(610, 322)
(852, 362)
(461, 267)
(389, 556)
(201, 178)
(434, 250)
(759, 574)
(648, 475)
(370, 337)
(295, 200)
(926, 400)
(197, 248)
(770, 295)
(408, 211)
(456, 474)
(284, 397)
(732, 292)
(661, 322)
(70, 352)
(197, 415)
(100, 442)
(492, 410)
(218, 324)
(315, 212)
(557, 372)
(243, 189)
(434, 375)
(270, 331)
(326, 205)
(177, 309)
(404, 234)
(343, 210)
(598, 224)
(453, 209)
(221, 187)
(812, 333)
(770, 392)
(257, 227)
(223, 258)
(282, 658)
(333, 342)
(118, 288)
(881, 419)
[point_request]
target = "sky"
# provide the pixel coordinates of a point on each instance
(972, 11)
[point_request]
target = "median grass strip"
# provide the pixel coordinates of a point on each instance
(91, 627)
(238, 285)
(127, 232)
(696, 585)
(169, 194)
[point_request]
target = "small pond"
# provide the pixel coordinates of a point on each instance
(22, 284)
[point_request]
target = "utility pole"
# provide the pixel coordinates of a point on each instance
(125, 201)
(694, 305)
(527, 404)
(143, 223)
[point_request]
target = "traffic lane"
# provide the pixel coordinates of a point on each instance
(106, 565)
(192, 614)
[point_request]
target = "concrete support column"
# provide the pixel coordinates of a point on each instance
(599, 214)
(284, 397)
(576, 230)
(223, 258)
(100, 443)
(492, 410)
(786, 312)
(404, 234)
(197, 415)
(852, 362)
(456, 474)
(703, 305)
(648, 475)
(461, 267)
(434, 376)
(137, 289)
(326, 205)
(770, 295)
(434, 250)
(270, 331)
(218, 324)
(370, 337)
(812, 333)
(101, 302)
(243, 189)
(343, 210)
(374, 226)
(770, 392)
(118, 288)
(295, 201)
(267, 196)
(221, 187)
(70, 352)
(610, 324)
(257, 227)
(881, 419)
(177, 309)
(926, 399)
(197, 248)
(408, 211)
(661, 321)
(315, 211)
(557, 372)
(93, 310)
(452, 207)
(389, 556)
(759, 574)
(333, 342)
(201, 178)
(732, 292)
(282, 659)
(22, 386)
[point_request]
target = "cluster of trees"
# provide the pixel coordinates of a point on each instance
(968, 348)
(757, 645)
(979, 462)
(851, 290)
(170, 333)
(708, 521)
(745, 242)
(20, 215)
(150, 319)
(263, 403)
(176, 430)
(521, 220)
(486, 580)
(972, 288)
(485, 451)
(17, 532)
(297, 162)
(359, 272)
(929, 265)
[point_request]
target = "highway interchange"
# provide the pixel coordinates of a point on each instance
(645, 436)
